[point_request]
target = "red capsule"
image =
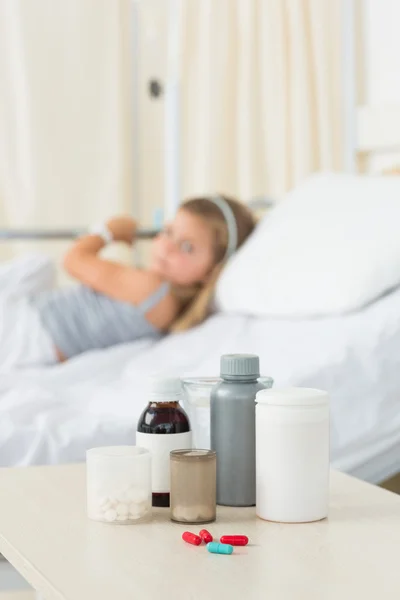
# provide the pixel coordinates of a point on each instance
(235, 540)
(191, 538)
(206, 536)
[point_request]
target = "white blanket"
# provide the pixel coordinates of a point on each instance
(52, 415)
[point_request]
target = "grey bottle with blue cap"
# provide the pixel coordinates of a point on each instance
(233, 428)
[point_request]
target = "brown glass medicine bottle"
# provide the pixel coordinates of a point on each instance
(162, 427)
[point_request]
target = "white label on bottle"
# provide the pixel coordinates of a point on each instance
(160, 446)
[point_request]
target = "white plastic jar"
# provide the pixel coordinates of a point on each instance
(292, 455)
(118, 480)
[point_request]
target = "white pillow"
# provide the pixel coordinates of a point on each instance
(331, 246)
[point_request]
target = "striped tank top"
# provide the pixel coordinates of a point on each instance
(79, 319)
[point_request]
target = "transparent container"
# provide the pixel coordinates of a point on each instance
(193, 486)
(118, 483)
(197, 405)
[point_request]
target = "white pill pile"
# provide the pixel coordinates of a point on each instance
(193, 514)
(124, 505)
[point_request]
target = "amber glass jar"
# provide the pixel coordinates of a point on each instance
(193, 486)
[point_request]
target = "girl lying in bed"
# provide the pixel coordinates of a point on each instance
(116, 303)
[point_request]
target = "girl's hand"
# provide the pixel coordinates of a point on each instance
(123, 229)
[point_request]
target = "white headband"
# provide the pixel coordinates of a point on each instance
(231, 224)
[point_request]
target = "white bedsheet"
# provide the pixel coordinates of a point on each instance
(52, 415)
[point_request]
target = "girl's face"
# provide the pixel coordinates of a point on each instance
(183, 253)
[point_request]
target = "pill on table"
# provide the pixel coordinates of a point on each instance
(235, 540)
(136, 515)
(137, 510)
(191, 538)
(105, 505)
(217, 548)
(110, 515)
(122, 509)
(206, 536)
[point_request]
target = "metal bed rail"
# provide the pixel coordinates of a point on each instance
(260, 203)
(60, 234)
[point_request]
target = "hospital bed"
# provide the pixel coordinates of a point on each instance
(53, 415)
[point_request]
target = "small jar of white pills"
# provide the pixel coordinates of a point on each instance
(118, 484)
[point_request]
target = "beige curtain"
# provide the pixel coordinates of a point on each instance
(64, 114)
(261, 103)
(261, 93)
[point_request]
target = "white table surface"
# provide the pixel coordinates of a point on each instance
(45, 534)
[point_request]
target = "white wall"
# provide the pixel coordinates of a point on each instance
(382, 63)
(382, 19)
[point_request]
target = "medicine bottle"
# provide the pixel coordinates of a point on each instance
(233, 429)
(292, 454)
(163, 426)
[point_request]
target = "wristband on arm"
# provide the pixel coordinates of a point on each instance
(102, 231)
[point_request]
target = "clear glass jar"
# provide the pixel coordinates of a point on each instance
(197, 405)
(118, 480)
(193, 486)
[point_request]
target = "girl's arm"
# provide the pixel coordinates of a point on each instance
(110, 278)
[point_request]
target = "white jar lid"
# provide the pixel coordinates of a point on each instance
(292, 396)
